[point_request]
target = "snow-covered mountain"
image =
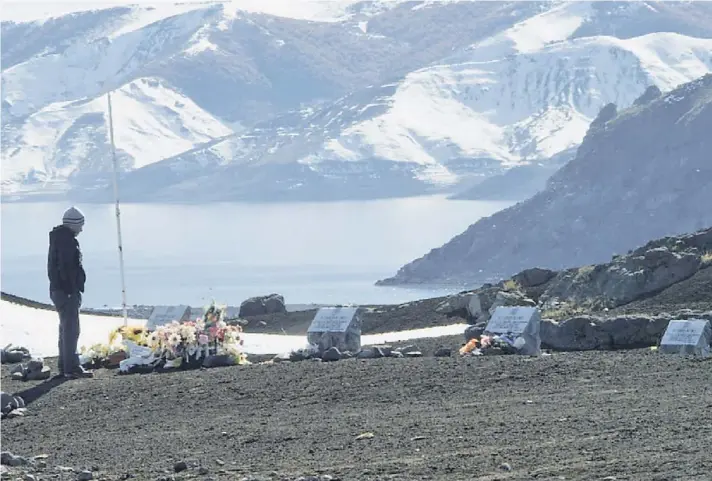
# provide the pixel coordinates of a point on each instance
(371, 99)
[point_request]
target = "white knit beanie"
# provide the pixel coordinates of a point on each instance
(73, 217)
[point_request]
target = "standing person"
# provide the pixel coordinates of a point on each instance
(66, 286)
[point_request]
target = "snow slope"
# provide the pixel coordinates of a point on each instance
(36, 329)
(516, 109)
(151, 122)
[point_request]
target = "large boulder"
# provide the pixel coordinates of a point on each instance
(484, 302)
(455, 305)
(259, 306)
(587, 333)
(623, 280)
(534, 277)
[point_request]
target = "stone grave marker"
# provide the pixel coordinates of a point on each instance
(521, 322)
(687, 337)
(162, 315)
(338, 327)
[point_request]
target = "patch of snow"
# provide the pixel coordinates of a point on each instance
(533, 34)
(37, 330)
(151, 122)
(526, 106)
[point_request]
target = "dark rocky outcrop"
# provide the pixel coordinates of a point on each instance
(258, 306)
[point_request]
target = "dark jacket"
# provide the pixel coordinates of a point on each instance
(64, 262)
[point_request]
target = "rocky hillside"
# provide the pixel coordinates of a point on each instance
(642, 173)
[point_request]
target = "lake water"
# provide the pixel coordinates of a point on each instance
(175, 254)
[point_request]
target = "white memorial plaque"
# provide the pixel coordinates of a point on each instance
(333, 319)
(162, 315)
(513, 320)
(520, 321)
(692, 336)
(683, 333)
(338, 327)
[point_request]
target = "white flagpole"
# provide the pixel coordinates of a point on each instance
(118, 211)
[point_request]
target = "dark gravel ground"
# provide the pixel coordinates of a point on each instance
(628, 415)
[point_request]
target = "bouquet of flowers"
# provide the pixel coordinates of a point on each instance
(223, 339)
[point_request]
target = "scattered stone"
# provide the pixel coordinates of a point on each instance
(16, 413)
(263, 305)
(367, 435)
(505, 467)
(180, 466)
(13, 355)
(85, 476)
(9, 403)
(221, 360)
(338, 327)
(332, 354)
(220, 462)
(28, 477)
(418, 438)
(367, 353)
(203, 470)
(443, 352)
(9, 459)
(408, 348)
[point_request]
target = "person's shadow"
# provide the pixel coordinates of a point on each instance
(32, 394)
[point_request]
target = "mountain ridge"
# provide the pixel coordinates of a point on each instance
(429, 122)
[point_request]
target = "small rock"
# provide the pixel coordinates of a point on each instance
(332, 354)
(17, 376)
(365, 436)
(383, 351)
(9, 459)
(85, 476)
(414, 354)
(180, 466)
(220, 462)
(203, 470)
(410, 348)
(505, 467)
(16, 413)
(367, 353)
(443, 352)
(28, 477)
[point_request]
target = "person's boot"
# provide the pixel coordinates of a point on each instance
(79, 373)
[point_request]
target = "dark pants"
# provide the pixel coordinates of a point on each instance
(68, 310)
